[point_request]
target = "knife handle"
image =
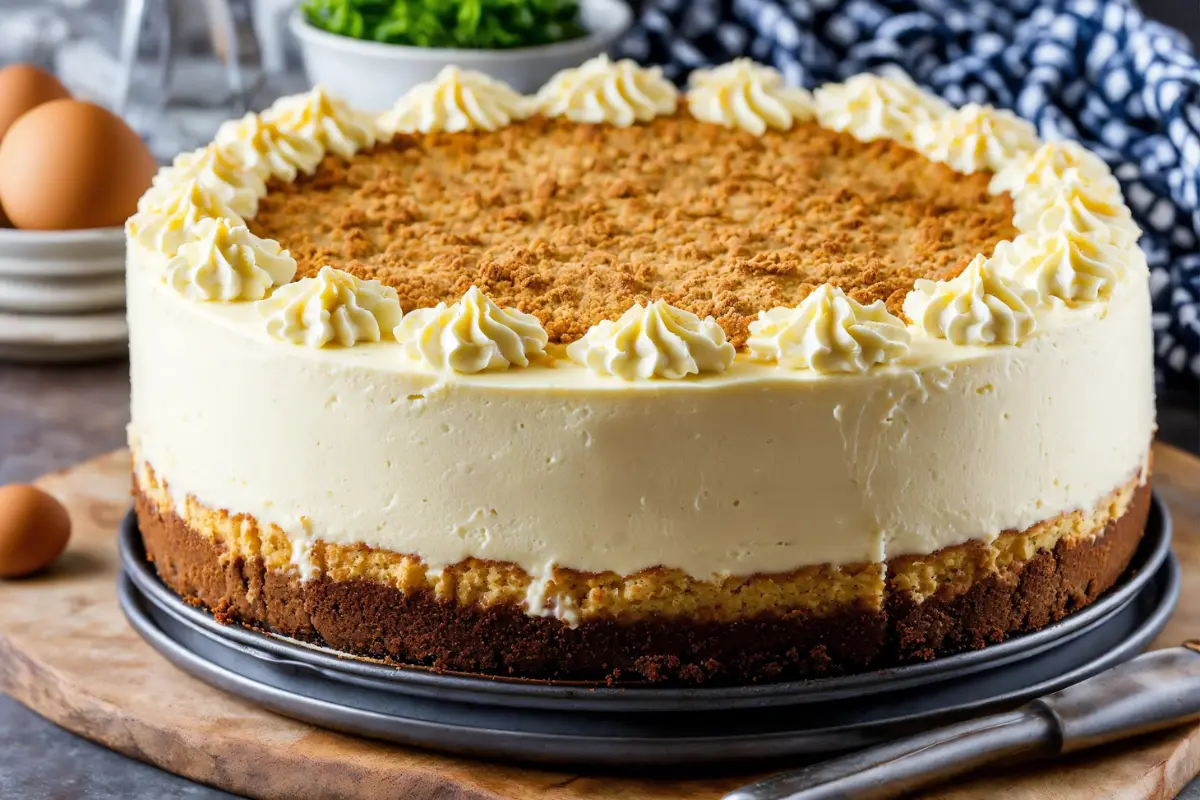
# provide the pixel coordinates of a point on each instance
(1153, 691)
(903, 766)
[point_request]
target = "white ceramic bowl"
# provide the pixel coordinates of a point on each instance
(61, 254)
(43, 338)
(61, 272)
(371, 75)
(77, 294)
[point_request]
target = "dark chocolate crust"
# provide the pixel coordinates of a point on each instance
(1050, 586)
(371, 619)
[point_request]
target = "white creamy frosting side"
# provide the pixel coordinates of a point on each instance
(570, 467)
(744, 94)
(226, 262)
(975, 138)
(654, 341)
(472, 335)
(323, 119)
(600, 90)
(756, 469)
(269, 150)
(333, 307)
(169, 221)
(455, 100)
(870, 107)
(828, 332)
(979, 307)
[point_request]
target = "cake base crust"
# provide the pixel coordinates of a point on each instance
(372, 619)
(1050, 585)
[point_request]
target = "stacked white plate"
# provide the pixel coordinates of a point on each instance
(62, 295)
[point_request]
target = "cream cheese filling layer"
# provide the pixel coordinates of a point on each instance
(757, 469)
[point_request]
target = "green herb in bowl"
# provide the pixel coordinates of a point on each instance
(470, 24)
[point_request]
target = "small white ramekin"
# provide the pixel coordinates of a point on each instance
(371, 75)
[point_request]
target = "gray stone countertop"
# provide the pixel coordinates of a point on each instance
(51, 418)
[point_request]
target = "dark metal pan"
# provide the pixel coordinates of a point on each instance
(623, 740)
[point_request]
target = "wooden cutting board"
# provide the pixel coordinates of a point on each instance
(67, 653)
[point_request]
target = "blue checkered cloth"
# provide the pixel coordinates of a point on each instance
(1093, 70)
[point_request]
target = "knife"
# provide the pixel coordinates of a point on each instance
(1153, 691)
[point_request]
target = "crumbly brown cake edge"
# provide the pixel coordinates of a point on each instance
(370, 619)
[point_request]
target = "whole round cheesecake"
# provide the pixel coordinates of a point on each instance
(616, 382)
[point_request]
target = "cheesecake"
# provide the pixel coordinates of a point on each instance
(618, 382)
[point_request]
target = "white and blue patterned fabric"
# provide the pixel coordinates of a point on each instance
(1093, 70)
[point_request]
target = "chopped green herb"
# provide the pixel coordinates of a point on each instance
(474, 24)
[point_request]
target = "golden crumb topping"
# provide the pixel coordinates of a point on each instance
(575, 223)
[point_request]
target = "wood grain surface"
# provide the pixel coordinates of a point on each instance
(67, 652)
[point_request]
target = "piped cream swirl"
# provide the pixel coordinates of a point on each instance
(455, 100)
(1069, 266)
(870, 107)
(268, 150)
(744, 94)
(334, 306)
(1049, 165)
(329, 122)
(828, 332)
(471, 335)
(1078, 204)
(226, 262)
(168, 222)
(600, 90)
(979, 307)
(975, 138)
(214, 169)
(654, 341)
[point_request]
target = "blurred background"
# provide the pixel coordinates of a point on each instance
(168, 76)
(172, 82)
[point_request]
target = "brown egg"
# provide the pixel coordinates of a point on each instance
(22, 87)
(68, 164)
(34, 528)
